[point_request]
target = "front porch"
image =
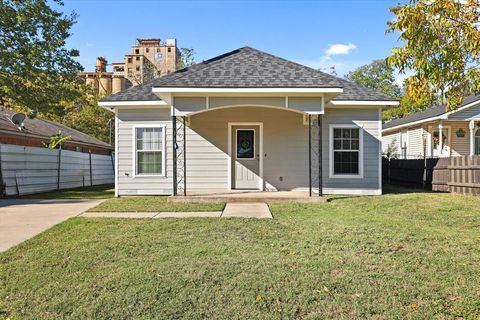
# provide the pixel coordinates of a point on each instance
(238, 196)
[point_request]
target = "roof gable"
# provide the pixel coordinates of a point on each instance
(249, 68)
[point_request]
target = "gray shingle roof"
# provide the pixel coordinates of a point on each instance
(249, 68)
(46, 128)
(429, 113)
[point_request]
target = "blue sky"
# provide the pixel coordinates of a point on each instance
(320, 34)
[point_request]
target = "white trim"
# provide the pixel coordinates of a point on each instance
(430, 131)
(245, 90)
(471, 127)
(254, 142)
(116, 153)
(360, 152)
(134, 148)
(131, 103)
(230, 146)
(364, 102)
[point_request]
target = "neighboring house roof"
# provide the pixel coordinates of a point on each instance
(249, 68)
(43, 128)
(432, 112)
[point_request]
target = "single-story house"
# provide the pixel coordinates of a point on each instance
(36, 131)
(418, 134)
(248, 120)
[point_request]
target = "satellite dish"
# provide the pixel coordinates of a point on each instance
(158, 56)
(17, 119)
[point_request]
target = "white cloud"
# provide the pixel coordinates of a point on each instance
(326, 62)
(339, 48)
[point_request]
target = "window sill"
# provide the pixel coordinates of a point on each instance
(346, 176)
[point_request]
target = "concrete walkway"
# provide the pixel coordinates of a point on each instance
(21, 219)
(242, 210)
(247, 210)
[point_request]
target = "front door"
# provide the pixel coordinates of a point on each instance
(245, 157)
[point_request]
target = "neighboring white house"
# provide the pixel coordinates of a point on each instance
(247, 120)
(418, 134)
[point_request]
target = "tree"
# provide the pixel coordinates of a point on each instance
(376, 75)
(85, 115)
(441, 45)
(56, 141)
(186, 59)
(36, 67)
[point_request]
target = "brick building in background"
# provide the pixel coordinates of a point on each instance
(148, 59)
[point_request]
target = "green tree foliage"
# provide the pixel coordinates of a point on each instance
(187, 58)
(85, 115)
(441, 45)
(36, 67)
(378, 76)
(56, 141)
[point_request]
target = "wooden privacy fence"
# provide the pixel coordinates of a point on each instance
(454, 174)
(28, 170)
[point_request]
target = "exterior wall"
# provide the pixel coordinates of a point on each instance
(390, 139)
(127, 183)
(370, 122)
(458, 145)
(415, 143)
(285, 150)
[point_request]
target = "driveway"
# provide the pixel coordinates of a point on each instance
(21, 219)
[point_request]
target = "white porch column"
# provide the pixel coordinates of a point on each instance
(440, 138)
(471, 126)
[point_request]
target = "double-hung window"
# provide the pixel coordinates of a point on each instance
(149, 150)
(346, 153)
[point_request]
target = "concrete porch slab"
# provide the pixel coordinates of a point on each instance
(247, 210)
(248, 197)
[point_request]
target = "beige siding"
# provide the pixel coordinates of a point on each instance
(415, 143)
(313, 104)
(369, 121)
(389, 139)
(190, 104)
(285, 141)
(127, 183)
(216, 102)
(460, 146)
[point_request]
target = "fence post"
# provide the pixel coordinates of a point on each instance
(58, 167)
(90, 160)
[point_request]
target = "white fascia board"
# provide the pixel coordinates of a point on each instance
(363, 103)
(131, 103)
(246, 90)
(411, 124)
(440, 117)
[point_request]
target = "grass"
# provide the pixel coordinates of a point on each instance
(152, 204)
(398, 256)
(94, 192)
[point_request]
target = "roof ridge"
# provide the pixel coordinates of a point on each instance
(201, 65)
(295, 63)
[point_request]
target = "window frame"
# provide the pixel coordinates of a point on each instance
(135, 152)
(333, 175)
(254, 143)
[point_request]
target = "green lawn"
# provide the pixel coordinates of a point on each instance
(95, 192)
(152, 204)
(398, 256)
